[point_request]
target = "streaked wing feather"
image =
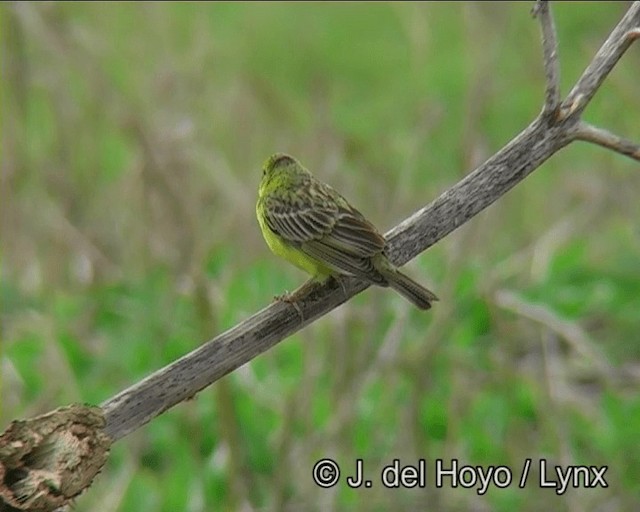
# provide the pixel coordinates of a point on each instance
(299, 223)
(342, 262)
(338, 236)
(356, 235)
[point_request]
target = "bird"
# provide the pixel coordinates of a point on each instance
(308, 223)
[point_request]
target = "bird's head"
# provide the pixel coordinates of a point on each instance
(282, 167)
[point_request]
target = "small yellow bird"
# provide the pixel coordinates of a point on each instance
(311, 225)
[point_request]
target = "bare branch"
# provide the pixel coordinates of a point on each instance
(589, 133)
(182, 379)
(625, 33)
(550, 50)
(138, 404)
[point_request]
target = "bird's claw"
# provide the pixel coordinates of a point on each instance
(289, 298)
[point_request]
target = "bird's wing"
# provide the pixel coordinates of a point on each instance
(348, 248)
(354, 235)
(329, 231)
(300, 219)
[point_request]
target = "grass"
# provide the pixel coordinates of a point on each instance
(132, 140)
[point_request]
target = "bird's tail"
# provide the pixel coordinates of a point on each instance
(409, 289)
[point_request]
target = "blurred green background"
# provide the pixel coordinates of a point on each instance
(132, 140)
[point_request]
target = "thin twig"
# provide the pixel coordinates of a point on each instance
(625, 33)
(589, 133)
(570, 331)
(550, 50)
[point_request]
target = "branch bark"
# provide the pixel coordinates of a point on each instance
(618, 42)
(550, 53)
(589, 133)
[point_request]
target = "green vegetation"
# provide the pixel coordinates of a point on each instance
(132, 140)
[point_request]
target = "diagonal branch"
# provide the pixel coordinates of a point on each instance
(625, 33)
(589, 133)
(183, 378)
(550, 53)
(167, 387)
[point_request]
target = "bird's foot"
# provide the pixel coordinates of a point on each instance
(290, 298)
(342, 286)
(294, 297)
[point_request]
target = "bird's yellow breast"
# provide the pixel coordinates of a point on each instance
(290, 253)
